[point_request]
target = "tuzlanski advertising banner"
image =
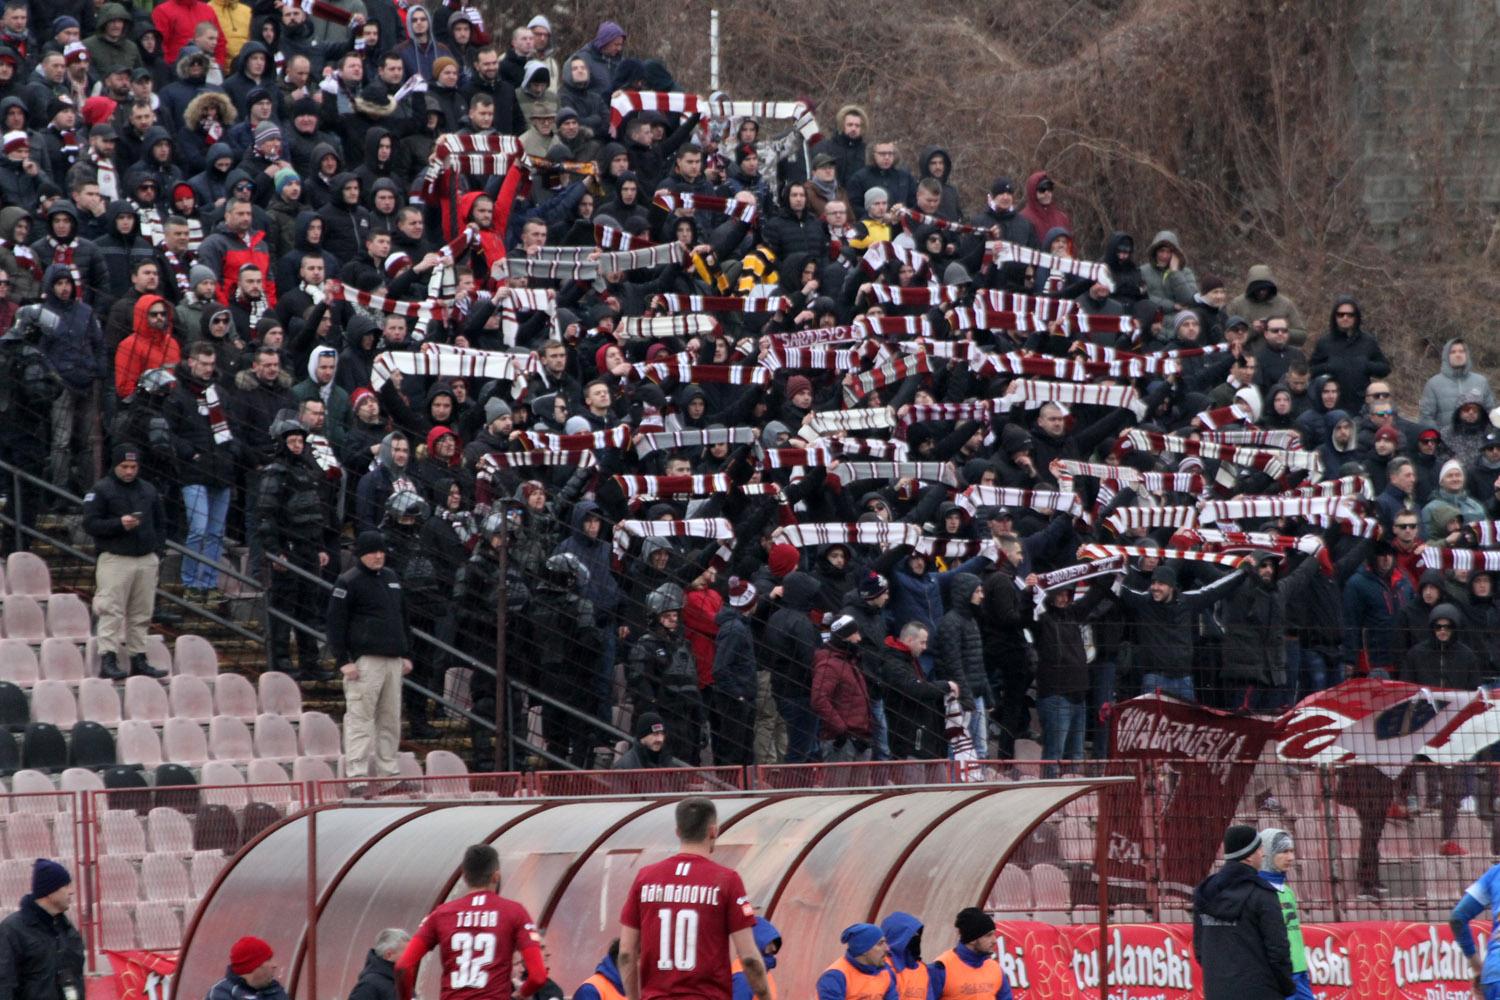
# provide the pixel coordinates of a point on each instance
(1174, 825)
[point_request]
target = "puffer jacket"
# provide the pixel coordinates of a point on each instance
(1256, 626)
(840, 698)
(792, 638)
(959, 649)
(75, 348)
(734, 655)
(1239, 937)
(146, 348)
(1442, 392)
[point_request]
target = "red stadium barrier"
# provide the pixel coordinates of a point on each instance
(670, 780)
(500, 785)
(859, 774)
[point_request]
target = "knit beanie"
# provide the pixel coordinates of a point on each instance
(124, 453)
(783, 559)
(1240, 842)
(248, 954)
(285, 177)
(874, 194)
(649, 723)
(872, 586)
(494, 409)
(1274, 841)
(369, 542)
(47, 877)
(973, 924)
(796, 384)
(200, 272)
(741, 592)
(860, 938)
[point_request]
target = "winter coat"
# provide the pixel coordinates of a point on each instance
(920, 598)
(1442, 392)
(40, 953)
(602, 590)
(958, 651)
(1255, 627)
(377, 980)
(791, 637)
(1353, 359)
(146, 348)
(1164, 629)
(1062, 660)
(75, 347)
(1170, 290)
(1371, 605)
(788, 232)
(1437, 663)
(1280, 306)
(849, 154)
(202, 460)
(840, 698)
(1044, 220)
(1239, 937)
(735, 665)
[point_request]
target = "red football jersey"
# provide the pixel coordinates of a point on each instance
(685, 908)
(477, 937)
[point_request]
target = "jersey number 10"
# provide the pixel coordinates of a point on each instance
(679, 941)
(473, 954)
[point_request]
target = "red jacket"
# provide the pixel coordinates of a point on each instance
(176, 19)
(698, 614)
(839, 696)
(145, 348)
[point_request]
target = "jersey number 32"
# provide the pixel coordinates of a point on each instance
(679, 941)
(473, 954)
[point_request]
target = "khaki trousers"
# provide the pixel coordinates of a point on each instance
(124, 598)
(372, 717)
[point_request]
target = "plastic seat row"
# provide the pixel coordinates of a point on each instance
(65, 617)
(159, 877)
(186, 697)
(44, 747)
(149, 925)
(61, 658)
(183, 741)
(26, 573)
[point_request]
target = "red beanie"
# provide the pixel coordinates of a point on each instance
(783, 559)
(599, 359)
(248, 954)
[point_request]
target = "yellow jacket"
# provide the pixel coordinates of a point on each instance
(234, 22)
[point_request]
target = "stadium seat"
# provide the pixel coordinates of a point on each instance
(1050, 891)
(138, 743)
(445, 763)
(127, 788)
(91, 745)
(24, 619)
(15, 708)
(10, 753)
(266, 772)
(1012, 892)
(62, 660)
(169, 832)
(234, 695)
(194, 656)
(204, 868)
(27, 835)
(191, 698)
(183, 742)
(280, 694)
(68, 618)
(229, 739)
(15, 878)
(319, 736)
(18, 664)
(223, 785)
(27, 573)
(118, 880)
(257, 818)
(52, 702)
(146, 700)
(217, 829)
(82, 780)
(176, 787)
(38, 793)
(314, 769)
(157, 925)
(118, 932)
(275, 739)
(99, 701)
(157, 653)
(121, 833)
(44, 748)
(165, 879)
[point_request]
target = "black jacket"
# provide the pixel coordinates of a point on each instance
(792, 638)
(367, 615)
(1256, 625)
(1164, 629)
(1352, 359)
(109, 501)
(293, 515)
(38, 953)
(377, 980)
(1239, 937)
(959, 648)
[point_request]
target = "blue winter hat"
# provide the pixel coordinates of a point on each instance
(860, 938)
(47, 877)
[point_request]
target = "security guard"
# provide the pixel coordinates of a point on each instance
(860, 973)
(969, 970)
(127, 520)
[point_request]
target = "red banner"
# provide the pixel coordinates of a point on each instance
(1172, 828)
(1368, 961)
(140, 975)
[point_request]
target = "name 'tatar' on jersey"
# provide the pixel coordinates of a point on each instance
(477, 937)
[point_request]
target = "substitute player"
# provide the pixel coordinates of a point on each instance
(1482, 896)
(681, 916)
(477, 936)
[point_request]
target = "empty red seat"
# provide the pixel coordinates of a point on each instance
(275, 739)
(99, 701)
(235, 696)
(118, 926)
(229, 739)
(195, 656)
(319, 736)
(165, 879)
(157, 926)
(24, 619)
(146, 700)
(27, 573)
(170, 831)
(280, 694)
(121, 833)
(137, 742)
(68, 618)
(18, 663)
(183, 742)
(191, 698)
(27, 835)
(62, 660)
(52, 702)
(223, 785)
(118, 881)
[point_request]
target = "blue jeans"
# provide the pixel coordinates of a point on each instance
(1317, 672)
(801, 730)
(1063, 722)
(207, 509)
(880, 730)
(979, 728)
(1104, 691)
(1177, 687)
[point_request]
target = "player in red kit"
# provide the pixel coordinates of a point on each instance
(681, 917)
(477, 936)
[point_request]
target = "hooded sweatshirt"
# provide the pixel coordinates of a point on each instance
(146, 347)
(1442, 392)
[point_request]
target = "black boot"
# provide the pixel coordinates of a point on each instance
(139, 667)
(109, 667)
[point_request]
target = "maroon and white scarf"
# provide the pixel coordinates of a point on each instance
(910, 216)
(671, 201)
(1030, 394)
(820, 453)
(1071, 576)
(812, 338)
(616, 437)
(894, 326)
(320, 9)
(211, 407)
(1041, 501)
(717, 528)
(25, 257)
(1345, 486)
(825, 422)
(442, 361)
(476, 154)
(610, 238)
(657, 327)
(574, 263)
(1237, 412)
(684, 371)
(879, 533)
(916, 295)
(883, 252)
(927, 472)
(725, 303)
(1262, 507)
(1358, 525)
(1255, 437)
(1003, 252)
(539, 457)
(1466, 560)
(892, 372)
(63, 253)
(655, 441)
(918, 413)
(625, 102)
(430, 310)
(1093, 551)
(1032, 305)
(1123, 519)
(823, 357)
(322, 453)
(1271, 463)
(180, 269)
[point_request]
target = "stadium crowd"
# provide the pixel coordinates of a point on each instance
(834, 465)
